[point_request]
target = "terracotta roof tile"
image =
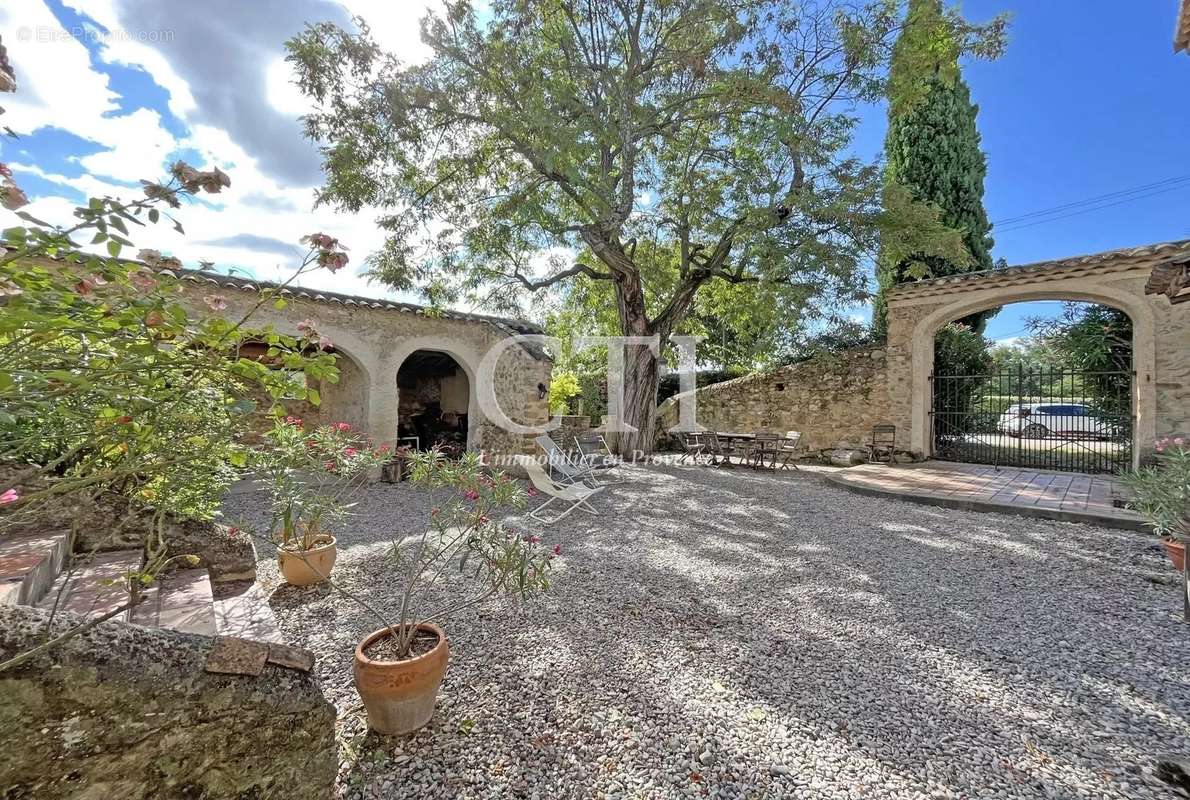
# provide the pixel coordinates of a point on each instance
(1109, 261)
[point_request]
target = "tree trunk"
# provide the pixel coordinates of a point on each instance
(640, 402)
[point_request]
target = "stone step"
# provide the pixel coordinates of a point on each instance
(96, 586)
(29, 563)
(180, 601)
(242, 609)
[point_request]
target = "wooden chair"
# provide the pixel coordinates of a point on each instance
(719, 450)
(790, 451)
(883, 443)
(692, 447)
(765, 445)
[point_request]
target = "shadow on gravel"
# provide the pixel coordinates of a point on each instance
(770, 635)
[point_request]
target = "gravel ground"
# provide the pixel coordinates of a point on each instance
(727, 633)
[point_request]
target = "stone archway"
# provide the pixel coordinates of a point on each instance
(467, 361)
(1161, 335)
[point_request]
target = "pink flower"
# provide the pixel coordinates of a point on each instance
(557, 550)
(143, 280)
(215, 302)
(294, 421)
(9, 496)
(1179, 441)
(435, 512)
(307, 326)
(88, 284)
(531, 492)
(342, 427)
(150, 257)
(329, 466)
(333, 260)
(471, 495)
(321, 240)
(11, 196)
(533, 539)
(5, 171)
(233, 531)
(349, 452)
(325, 343)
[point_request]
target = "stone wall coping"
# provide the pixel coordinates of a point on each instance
(1110, 261)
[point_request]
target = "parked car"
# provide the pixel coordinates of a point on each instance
(1042, 420)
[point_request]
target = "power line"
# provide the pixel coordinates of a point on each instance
(1092, 203)
(1076, 212)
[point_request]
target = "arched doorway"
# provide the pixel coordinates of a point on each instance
(1057, 394)
(434, 401)
(974, 297)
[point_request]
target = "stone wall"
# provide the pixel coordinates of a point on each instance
(127, 712)
(830, 398)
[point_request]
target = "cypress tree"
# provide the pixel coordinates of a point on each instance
(932, 149)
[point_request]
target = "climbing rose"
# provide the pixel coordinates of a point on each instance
(334, 261)
(143, 280)
(9, 496)
(11, 196)
(321, 241)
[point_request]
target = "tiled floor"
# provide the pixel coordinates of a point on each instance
(1056, 495)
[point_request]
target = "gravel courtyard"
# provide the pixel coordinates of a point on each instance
(734, 634)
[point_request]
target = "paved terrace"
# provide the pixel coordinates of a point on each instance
(1066, 496)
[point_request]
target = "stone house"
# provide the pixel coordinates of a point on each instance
(406, 370)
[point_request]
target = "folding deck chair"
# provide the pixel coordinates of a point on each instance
(576, 495)
(560, 462)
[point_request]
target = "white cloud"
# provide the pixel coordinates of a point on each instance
(228, 83)
(283, 93)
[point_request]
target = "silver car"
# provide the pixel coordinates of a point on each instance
(1045, 420)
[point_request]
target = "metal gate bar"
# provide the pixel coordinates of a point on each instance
(1041, 418)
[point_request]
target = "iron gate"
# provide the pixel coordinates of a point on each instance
(1061, 419)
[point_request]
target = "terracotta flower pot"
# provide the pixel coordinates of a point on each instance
(399, 695)
(306, 567)
(1176, 552)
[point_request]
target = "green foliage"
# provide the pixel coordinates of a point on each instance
(563, 386)
(108, 382)
(932, 150)
(1098, 340)
(1162, 493)
(465, 533)
(659, 147)
(310, 475)
(959, 351)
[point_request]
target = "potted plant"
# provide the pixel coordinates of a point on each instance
(399, 667)
(396, 469)
(1162, 495)
(310, 475)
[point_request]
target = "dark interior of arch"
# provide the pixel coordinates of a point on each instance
(433, 399)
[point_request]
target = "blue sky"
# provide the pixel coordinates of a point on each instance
(1088, 100)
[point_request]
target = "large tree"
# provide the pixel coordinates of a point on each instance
(661, 145)
(932, 149)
